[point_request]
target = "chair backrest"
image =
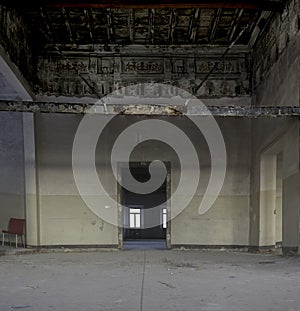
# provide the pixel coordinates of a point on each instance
(16, 226)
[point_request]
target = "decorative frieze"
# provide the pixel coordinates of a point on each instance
(86, 74)
(76, 65)
(105, 65)
(205, 66)
(141, 65)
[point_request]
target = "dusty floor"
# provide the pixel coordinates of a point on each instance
(149, 280)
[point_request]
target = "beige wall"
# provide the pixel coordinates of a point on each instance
(59, 216)
(64, 217)
(11, 166)
(274, 142)
(227, 222)
(66, 220)
(267, 200)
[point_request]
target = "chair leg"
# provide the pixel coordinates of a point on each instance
(2, 238)
(16, 241)
(23, 241)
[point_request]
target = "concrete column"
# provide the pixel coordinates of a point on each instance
(267, 219)
(31, 197)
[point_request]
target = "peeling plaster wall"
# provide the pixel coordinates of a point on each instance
(276, 67)
(66, 220)
(12, 168)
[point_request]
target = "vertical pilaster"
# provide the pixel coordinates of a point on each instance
(31, 195)
(291, 191)
(267, 219)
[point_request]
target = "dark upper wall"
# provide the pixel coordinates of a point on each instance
(91, 52)
(17, 41)
(275, 60)
(73, 61)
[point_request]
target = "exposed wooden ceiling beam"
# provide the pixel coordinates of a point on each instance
(258, 27)
(68, 24)
(151, 31)
(173, 23)
(89, 23)
(235, 24)
(48, 25)
(214, 25)
(110, 25)
(194, 25)
(268, 5)
(131, 25)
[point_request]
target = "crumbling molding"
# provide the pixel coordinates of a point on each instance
(174, 110)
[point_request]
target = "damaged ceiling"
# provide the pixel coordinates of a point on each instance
(81, 27)
(158, 26)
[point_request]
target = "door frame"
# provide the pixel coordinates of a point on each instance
(142, 164)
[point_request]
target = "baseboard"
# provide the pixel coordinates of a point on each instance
(217, 247)
(262, 249)
(79, 246)
(12, 244)
(289, 251)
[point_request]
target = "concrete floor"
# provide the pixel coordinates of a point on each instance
(144, 244)
(11, 250)
(149, 280)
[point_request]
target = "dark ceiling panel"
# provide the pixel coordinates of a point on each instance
(271, 5)
(165, 26)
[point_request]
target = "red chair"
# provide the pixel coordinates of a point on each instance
(16, 227)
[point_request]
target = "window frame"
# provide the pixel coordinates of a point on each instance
(164, 218)
(136, 214)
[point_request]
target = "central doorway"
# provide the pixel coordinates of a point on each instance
(144, 216)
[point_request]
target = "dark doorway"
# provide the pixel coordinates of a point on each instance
(144, 215)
